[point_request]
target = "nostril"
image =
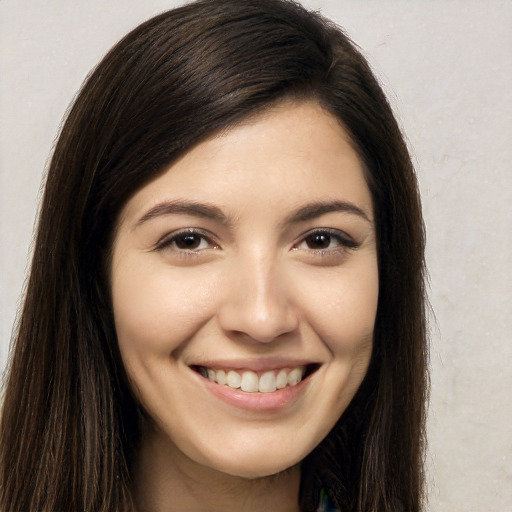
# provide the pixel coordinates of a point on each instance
(259, 312)
(258, 328)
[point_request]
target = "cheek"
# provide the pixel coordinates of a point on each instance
(343, 310)
(156, 311)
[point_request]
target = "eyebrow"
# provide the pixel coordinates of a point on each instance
(319, 208)
(203, 210)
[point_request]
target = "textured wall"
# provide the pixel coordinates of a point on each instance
(447, 67)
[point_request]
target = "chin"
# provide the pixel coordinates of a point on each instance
(258, 471)
(255, 465)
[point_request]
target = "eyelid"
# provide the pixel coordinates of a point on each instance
(341, 236)
(167, 240)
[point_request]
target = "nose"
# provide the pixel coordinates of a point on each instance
(258, 303)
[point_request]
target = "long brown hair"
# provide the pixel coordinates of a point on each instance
(69, 424)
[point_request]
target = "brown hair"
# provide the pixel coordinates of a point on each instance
(69, 421)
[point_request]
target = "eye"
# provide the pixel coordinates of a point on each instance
(188, 241)
(320, 241)
(326, 239)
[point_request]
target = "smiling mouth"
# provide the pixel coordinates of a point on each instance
(257, 382)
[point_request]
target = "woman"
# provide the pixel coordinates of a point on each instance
(226, 303)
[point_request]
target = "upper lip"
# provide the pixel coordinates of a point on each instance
(255, 365)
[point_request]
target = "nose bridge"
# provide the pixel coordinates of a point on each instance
(258, 302)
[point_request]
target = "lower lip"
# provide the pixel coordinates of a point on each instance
(263, 402)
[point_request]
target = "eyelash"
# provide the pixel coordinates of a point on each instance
(343, 240)
(171, 240)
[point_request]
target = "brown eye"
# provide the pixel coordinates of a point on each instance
(318, 241)
(322, 240)
(188, 241)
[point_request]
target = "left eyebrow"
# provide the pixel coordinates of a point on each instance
(319, 208)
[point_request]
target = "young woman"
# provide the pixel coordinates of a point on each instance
(226, 304)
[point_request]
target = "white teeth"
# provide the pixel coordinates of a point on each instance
(295, 376)
(249, 382)
(221, 377)
(267, 382)
(233, 379)
(281, 380)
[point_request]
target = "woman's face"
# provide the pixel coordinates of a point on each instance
(245, 289)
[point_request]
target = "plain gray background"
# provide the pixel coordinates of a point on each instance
(447, 68)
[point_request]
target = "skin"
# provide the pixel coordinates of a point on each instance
(260, 283)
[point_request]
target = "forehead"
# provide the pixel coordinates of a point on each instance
(290, 154)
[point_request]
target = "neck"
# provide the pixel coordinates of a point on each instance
(165, 480)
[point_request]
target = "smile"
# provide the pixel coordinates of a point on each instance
(252, 382)
(257, 387)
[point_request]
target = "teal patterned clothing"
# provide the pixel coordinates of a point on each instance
(326, 503)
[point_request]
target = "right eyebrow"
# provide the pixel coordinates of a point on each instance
(195, 209)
